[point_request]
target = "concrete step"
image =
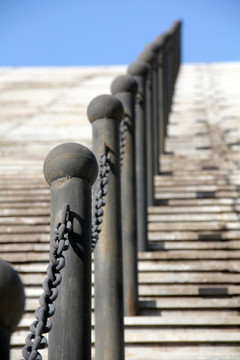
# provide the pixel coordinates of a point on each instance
(186, 235)
(162, 336)
(154, 290)
(193, 245)
(176, 352)
(186, 218)
(195, 210)
(191, 255)
(159, 277)
(170, 305)
(30, 256)
(146, 265)
(155, 322)
(194, 226)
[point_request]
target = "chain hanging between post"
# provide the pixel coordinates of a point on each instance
(100, 193)
(123, 136)
(35, 340)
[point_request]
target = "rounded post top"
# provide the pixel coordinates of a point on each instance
(70, 160)
(161, 39)
(177, 24)
(124, 83)
(12, 297)
(147, 56)
(138, 68)
(154, 47)
(105, 106)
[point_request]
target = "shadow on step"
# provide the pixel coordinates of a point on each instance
(213, 291)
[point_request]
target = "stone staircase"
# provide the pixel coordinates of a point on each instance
(189, 279)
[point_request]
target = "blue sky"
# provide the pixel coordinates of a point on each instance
(109, 32)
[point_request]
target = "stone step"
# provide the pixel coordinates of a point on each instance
(193, 195)
(153, 322)
(34, 219)
(172, 290)
(35, 237)
(227, 237)
(193, 245)
(216, 210)
(183, 218)
(40, 243)
(25, 211)
(32, 190)
(26, 257)
(183, 188)
(146, 265)
(156, 265)
(195, 226)
(14, 247)
(185, 312)
(161, 278)
(199, 202)
(162, 336)
(25, 197)
(186, 235)
(188, 278)
(190, 254)
(174, 305)
(163, 352)
(20, 207)
(152, 290)
(24, 229)
(188, 178)
(187, 303)
(25, 220)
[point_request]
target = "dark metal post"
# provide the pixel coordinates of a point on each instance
(163, 87)
(179, 29)
(71, 169)
(153, 145)
(140, 71)
(174, 31)
(167, 82)
(105, 113)
(159, 131)
(124, 88)
(171, 72)
(11, 306)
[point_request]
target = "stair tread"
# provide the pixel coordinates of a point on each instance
(178, 352)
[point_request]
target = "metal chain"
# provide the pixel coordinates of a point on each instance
(100, 193)
(35, 340)
(123, 136)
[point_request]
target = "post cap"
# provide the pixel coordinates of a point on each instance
(154, 47)
(70, 160)
(138, 68)
(12, 297)
(147, 56)
(124, 83)
(177, 24)
(161, 39)
(105, 106)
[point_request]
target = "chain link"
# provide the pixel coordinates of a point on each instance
(35, 340)
(123, 136)
(100, 193)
